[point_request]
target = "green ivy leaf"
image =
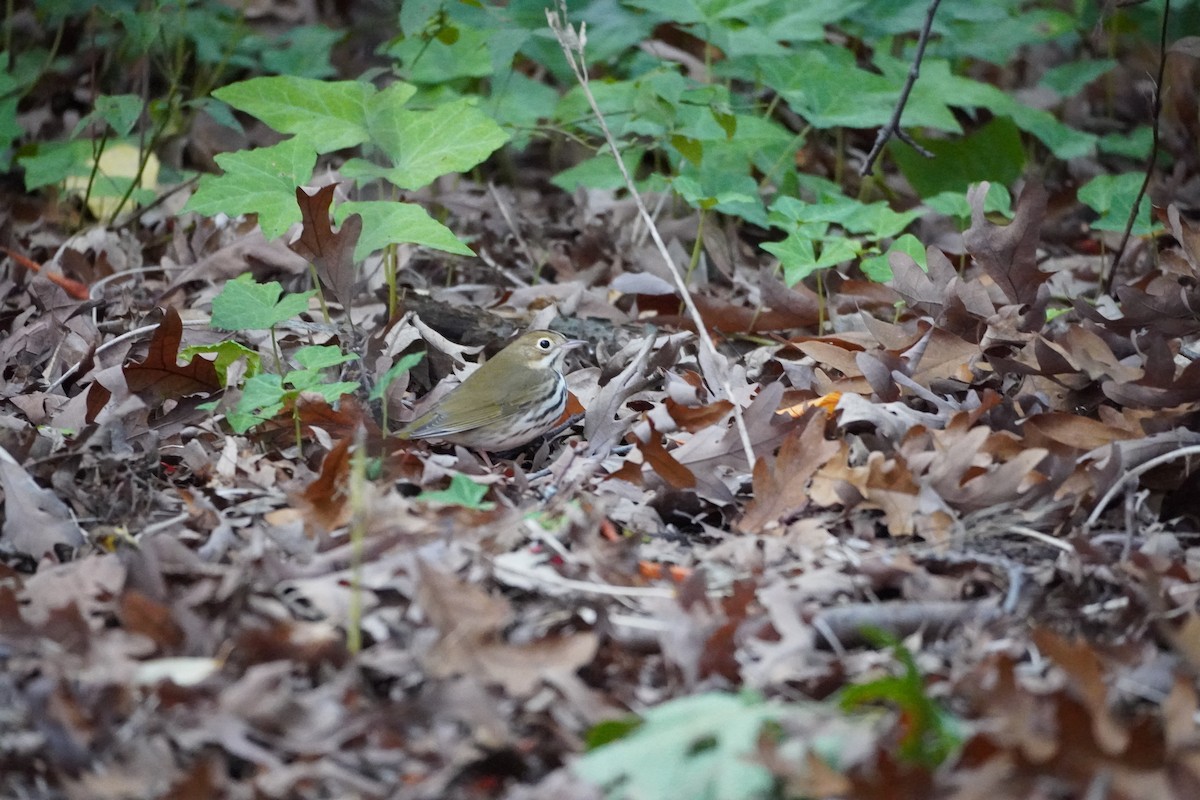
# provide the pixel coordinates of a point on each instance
(303, 380)
(245, 305)
(386, 222)
(119, 111)
(424, 145)
(879, 269)
(599, 171)
(992, 153)
(698, 747)
(456, 52)
(52, 162)
(329, 115)
(1111, 196)
(403, 365)
(316, 357)
(691, 149)
(799, 258)
(302, 51)
(1136, 144)
(1073, 77)
(954, 204)
(261, 181)
(462, 491)
(227, 352)
(261, 400)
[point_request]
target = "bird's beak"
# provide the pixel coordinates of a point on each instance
(571, 344)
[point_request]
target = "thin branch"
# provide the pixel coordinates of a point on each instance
(572, 45)
(1137, 471)
(1162, 66)
(893, 126)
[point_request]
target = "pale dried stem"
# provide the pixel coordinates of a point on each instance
(572, 44)
(1137, 471)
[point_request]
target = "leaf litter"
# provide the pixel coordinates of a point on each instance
(1005, 494)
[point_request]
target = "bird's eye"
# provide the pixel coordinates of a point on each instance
(544, 343)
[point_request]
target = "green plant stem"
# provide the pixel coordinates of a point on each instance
(698, 247)
(391, 266)
(358, 535)
(316, 279)
(820, 302)
(146, 148)
(50, 56)
(9, 10)
(275, 352)
(97, 151)
(297, 428)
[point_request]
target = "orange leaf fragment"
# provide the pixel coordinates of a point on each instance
(826, 401)
(72, 287)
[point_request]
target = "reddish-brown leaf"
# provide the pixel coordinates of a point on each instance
(694, 418)
(161, 373)
(662, 462)
(326, 497)
(139, 613)
(331, 253)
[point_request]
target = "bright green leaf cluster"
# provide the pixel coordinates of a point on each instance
(830, 230)
(930, 734)
(1112, 196)
(418, 144)
(264, 396)
(246, 305)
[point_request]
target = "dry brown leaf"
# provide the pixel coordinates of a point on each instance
(331, 253)
(781, 484)
(1009, 254)
(35, 519)
(161, 373)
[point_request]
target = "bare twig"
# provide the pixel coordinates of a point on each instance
(1139, 470)
(1158, 82)
(893, 127)
(572, 44)
(516, 231)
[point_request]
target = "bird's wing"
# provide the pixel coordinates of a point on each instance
(469, 413)
(466, 413)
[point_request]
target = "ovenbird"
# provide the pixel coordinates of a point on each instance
(516, 396)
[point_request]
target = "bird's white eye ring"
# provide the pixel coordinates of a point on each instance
(544, 343)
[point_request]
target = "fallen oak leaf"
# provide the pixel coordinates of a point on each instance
(781, 488)
(332, 254)
(327, 497)
(471, 623)
(161, 373)
(694, 418)
(1008, 254)
(35, 519)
